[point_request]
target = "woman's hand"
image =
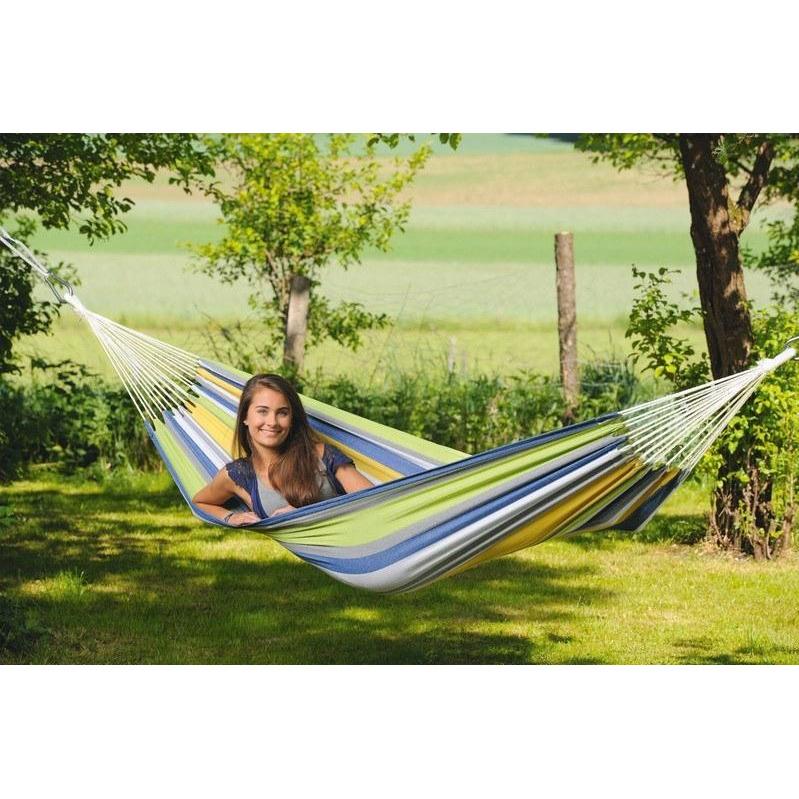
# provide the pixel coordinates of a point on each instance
(284, 509)
(241, 518)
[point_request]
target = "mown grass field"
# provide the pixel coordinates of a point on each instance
(121, 573)
(475, 263)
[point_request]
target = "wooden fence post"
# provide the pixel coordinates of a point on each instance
(297, 322)
(567, 322)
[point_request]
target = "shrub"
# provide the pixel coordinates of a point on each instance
(763, 441)
(475, 413)
(67, 416)
(753, 464)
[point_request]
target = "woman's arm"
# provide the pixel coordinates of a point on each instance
(212, 499)
(351, 479)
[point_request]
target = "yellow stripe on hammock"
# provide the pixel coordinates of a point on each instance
(215, 428)
(549, 523)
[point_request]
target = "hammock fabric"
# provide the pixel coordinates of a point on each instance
(433, 511)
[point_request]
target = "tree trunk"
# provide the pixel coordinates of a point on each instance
(738, 513)
(296, 323)
(567, 323)
(784, 542)
(728, 327)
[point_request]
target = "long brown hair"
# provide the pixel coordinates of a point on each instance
(295, 472)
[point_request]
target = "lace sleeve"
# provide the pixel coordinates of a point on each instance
(334, 458)
(240, 472)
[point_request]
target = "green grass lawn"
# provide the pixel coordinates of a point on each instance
(122, 573)
(452, 269)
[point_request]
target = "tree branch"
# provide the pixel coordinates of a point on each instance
(757, 180)
(740, 165)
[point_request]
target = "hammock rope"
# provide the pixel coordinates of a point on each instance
(434, 511)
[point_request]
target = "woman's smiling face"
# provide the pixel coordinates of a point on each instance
(268, 418)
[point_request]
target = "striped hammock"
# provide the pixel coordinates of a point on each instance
(433, 511)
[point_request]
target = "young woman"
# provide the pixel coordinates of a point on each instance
(283, 465)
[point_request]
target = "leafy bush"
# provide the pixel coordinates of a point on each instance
(69, 417)
(611, 384)
(475, 413)
(652, 318)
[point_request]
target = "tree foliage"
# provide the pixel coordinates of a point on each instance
(393, 139)
(61, 179)
(760, 167)
(73, 177)
(780, 259)
(20, 313)
(651, 328)
(294, 204)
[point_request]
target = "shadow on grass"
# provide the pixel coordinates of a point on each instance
(662, 529)
(114, 586)
(702, 651)
(131, 494)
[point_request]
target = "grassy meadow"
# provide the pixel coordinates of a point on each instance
(473, 271)
(115, 569)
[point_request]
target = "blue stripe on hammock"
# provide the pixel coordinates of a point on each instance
(403, 549)
(190, 444)
(643, 513)
(366, 447)
(601, 517)
(215, 394)
(222, 373)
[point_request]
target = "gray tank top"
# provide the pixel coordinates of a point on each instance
(272, 500)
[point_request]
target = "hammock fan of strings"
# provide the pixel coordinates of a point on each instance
(433, 511)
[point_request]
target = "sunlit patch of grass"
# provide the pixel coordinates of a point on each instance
(245, 548)
(359, 614)
(66, 586)
(482, 347)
